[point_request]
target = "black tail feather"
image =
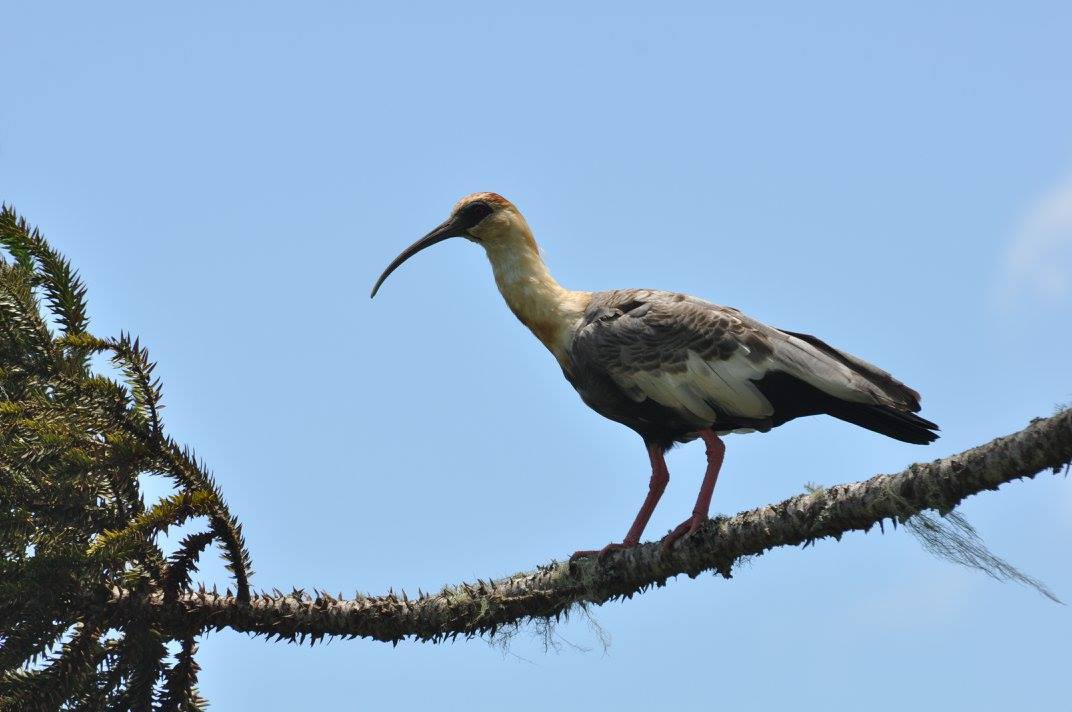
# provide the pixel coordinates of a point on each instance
(897, 424)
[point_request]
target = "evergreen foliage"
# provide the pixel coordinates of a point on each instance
(73, 524)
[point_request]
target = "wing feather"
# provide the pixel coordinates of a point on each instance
(705, 361)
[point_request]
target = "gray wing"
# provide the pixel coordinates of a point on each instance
(708, 362)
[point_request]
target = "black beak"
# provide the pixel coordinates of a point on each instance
(453, 227)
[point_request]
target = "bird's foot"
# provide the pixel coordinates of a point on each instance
(601, 553)
(687, 528)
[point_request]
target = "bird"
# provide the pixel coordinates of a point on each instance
(673, 367)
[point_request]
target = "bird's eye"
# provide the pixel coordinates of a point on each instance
(473, 213)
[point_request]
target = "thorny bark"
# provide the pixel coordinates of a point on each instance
(551, 591)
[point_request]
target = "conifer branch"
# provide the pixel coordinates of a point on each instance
(180, 692)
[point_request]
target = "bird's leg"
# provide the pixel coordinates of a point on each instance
(716, 450)
(660, 476)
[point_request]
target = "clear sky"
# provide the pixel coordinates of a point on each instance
(896, 180)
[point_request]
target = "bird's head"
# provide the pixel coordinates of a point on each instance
(485, 218)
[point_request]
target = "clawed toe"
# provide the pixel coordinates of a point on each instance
(600, 553)
(687, 528)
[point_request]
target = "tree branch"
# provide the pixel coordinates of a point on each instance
(551, 591)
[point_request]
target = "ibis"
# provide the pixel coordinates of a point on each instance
(674, 367)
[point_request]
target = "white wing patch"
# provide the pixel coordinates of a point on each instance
(730, 384)
(727, 384)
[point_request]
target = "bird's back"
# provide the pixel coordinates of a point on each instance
(667, 364)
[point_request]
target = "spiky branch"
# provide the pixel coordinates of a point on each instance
(483, 607)
(89, 601)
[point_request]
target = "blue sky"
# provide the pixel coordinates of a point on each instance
(897, 180)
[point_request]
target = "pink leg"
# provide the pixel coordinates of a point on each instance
(716, 450)
(660, 476)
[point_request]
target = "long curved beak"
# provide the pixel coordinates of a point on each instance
(448, 229)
